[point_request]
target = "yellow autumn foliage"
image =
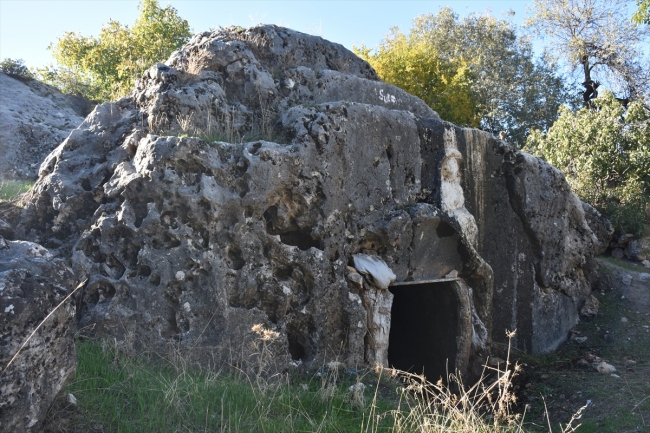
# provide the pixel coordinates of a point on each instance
(414, 66)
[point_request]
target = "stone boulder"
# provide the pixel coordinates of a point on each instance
(33, 284)
(238, 181)
(34, 119)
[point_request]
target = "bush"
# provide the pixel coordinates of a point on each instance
(16, 68)
(605, 155)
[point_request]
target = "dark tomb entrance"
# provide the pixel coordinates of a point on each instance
(424, 328)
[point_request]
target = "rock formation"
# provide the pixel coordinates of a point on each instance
(238, 182)
(33, 284)
(34, 119)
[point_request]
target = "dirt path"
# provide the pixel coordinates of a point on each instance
(620, 336)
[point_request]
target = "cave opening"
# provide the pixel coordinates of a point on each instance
(424, 328)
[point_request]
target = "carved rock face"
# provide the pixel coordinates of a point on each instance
(32, 284)
(192, 241)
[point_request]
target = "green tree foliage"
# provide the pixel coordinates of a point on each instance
(642, 16)
(416, 67)
(106, 67)
(605, 156)
(478, 62)
(597, 36)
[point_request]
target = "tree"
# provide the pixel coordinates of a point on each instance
(509, 90)
(597, 38)
(642, 16)
(416, 67)
(107, 66)
(605, 156)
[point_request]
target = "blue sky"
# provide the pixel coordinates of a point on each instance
(27, 27)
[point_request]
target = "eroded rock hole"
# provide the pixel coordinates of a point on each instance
(296, 350)
(424, 329)
(444, 230)
(290, 233)
(85, 184)
(301, 239)
(235, 259)
(141, 210)
(144, 270)
(98, 293)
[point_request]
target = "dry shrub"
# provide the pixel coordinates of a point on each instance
(487, 406)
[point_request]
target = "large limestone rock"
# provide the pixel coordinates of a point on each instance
(33, 284)
(305, 160)
(34, 119)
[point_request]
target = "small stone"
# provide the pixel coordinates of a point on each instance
(615, 375)
(590, 307)
(624, 319)
(544, 376)
(580, 340)
(646, 263)
(605, 368)
(452, 274)
(71, 399)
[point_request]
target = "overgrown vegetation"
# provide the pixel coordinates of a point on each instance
(605, 156)
(117, 390)
(106, 67)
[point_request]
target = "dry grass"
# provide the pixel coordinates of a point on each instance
(126, 393)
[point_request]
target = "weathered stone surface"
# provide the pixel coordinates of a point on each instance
(634, 251)
(34, 119)
(600, 225)
(622, 241)
(192, 242)
(590, 307)
(6, 231)
(32, 284)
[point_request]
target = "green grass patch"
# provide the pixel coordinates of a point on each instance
(118, 393)
(625, 264)
(10, 189)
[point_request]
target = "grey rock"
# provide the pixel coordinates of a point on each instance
(34, 119)
(590, 307)
(618, 253)
(6, 231)
(622, 241)
(197, 240)
(634, 251)
(33, 284)
(600, 226)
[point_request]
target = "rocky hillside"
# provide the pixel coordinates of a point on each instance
(34, 119)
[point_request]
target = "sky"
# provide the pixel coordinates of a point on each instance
(27, 27)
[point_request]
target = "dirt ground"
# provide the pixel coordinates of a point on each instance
(619, 335)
